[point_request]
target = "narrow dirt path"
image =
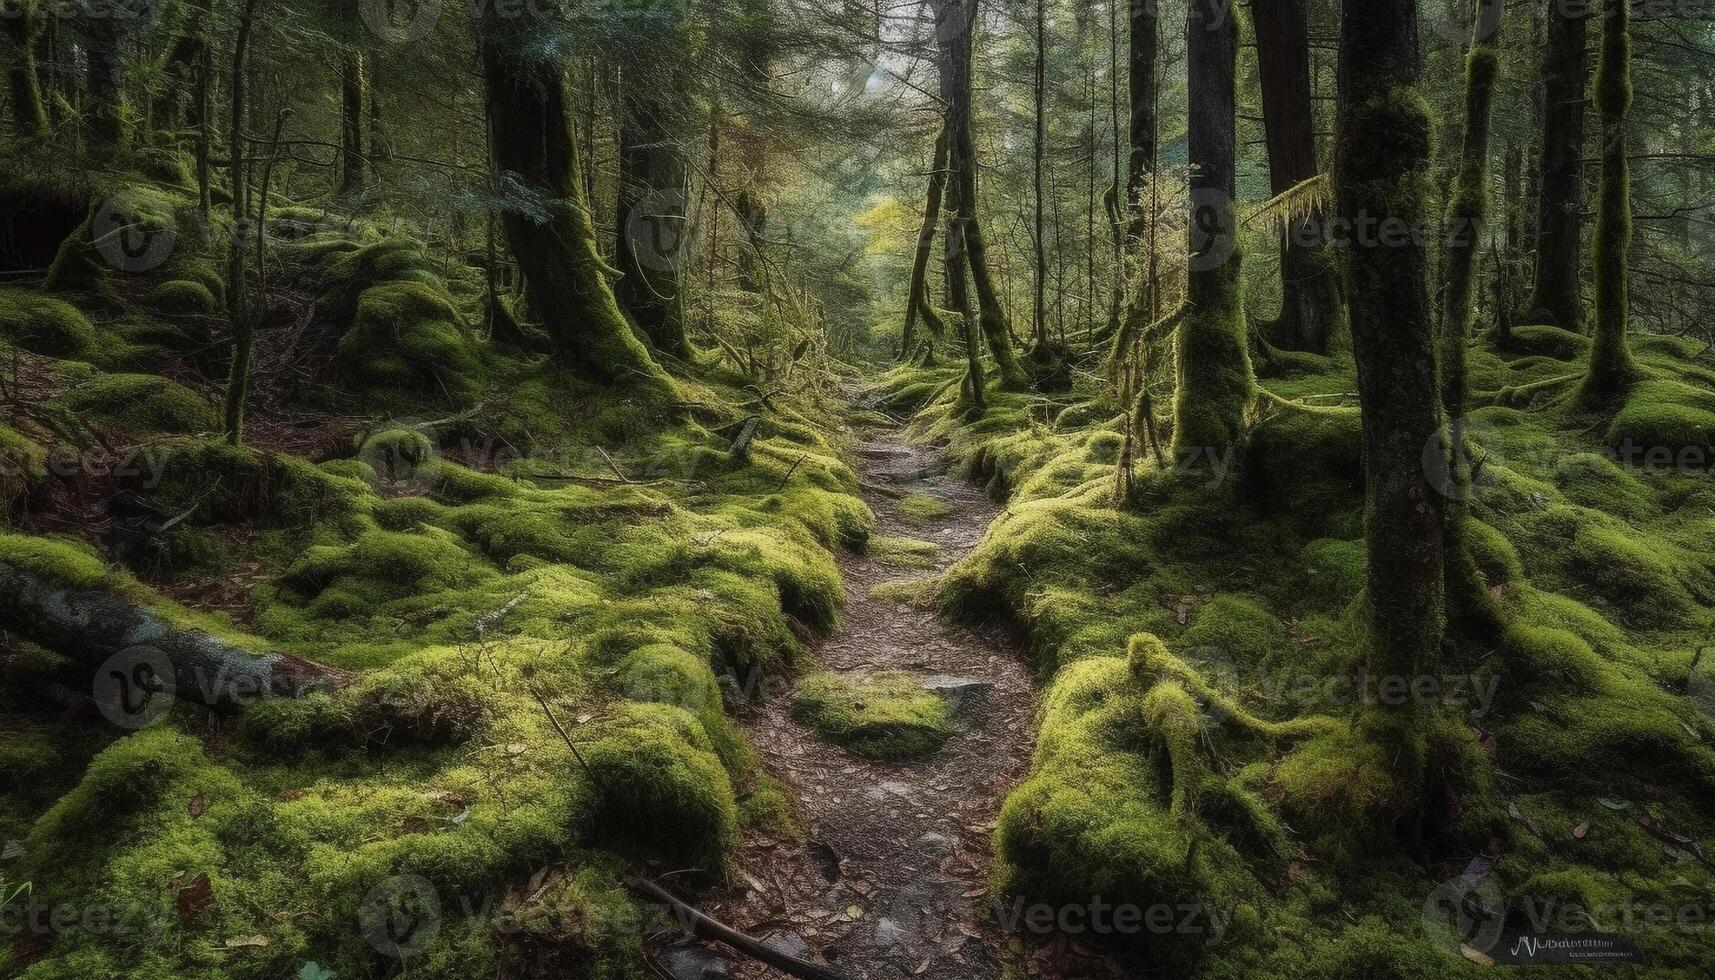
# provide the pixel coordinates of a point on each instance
(893, 878)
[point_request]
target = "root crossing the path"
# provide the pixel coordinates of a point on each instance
(892, 878)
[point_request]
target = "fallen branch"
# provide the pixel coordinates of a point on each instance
(703, 925)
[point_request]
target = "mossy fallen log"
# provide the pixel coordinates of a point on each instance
(142, 647)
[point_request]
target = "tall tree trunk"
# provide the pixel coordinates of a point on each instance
(955, 28)
(243, 325)
(917, 294)
(1611, 368)
(19, 31)
(1216, 385)
(1039, 309)
(1470, 610)
(1145, 31)
(756, 63)
(651, 219)
(1310, 303)
(105, 93)
(1381, 175)
(1557, 296)
(202, 108)
(351, 114)
(564, 275)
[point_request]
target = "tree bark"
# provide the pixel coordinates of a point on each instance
(105, 90)
(955, 26)
(1039, 308)
(1381, 175)
(1611, 367)
(1557, 296)
(243, 326)
(651, 219)
(917, 293)
(564, 275)
(1310, 305)
(1216, 385)
(18, 35)
(351, 83)
(1145, 31)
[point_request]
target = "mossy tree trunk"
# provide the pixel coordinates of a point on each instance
(1038, 155)
(1469, 607)
(756, 63)
(351, 84)
(1216, 384)
(239, 316)
(1143, 38)
(104, 89)
(1310, 304)
(554, 241)
(18, 34)
(1557, 296)
(1611, 368)
(917, 293)
(651, 217)
(955, 24)
(1381, 175)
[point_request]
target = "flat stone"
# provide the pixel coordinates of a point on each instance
(882, 791)
(940, 845)
(695, 963)
(968, 696)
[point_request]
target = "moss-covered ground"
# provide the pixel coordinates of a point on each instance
(541, 591)
(1198, 638)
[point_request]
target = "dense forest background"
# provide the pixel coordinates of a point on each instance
(480, 480)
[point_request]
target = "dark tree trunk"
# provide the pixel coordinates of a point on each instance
(651, 219)
(351, 84)
(954, 28)
(917, 294)
(564, 275)
(1381, 175)
(243, 326)
(1470, 610)
(202, 111)
(1310, 305)
(105, 93)
(1216, 385)
(18, 35)
(1039, 308)
(1145, 31)
(757, 60)
(1611, 367)
(1557, 297)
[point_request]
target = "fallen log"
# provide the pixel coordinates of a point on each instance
(138, 648)
(708, 927)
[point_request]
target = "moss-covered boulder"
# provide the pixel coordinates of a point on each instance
(883, 716)
(409, 344)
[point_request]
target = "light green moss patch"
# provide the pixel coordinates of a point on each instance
(903, 552)
(922, 508)
(882, 716)
(143, 404)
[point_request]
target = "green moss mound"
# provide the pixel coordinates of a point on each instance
(408, 342)
(881, 716)
(143, 404)
(44, 325)
(182, 297)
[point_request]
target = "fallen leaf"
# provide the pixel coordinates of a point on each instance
(247, 942)
(198, 806)
(1580, 830)
(194, 899)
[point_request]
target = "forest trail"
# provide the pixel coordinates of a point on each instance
(892, 879)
